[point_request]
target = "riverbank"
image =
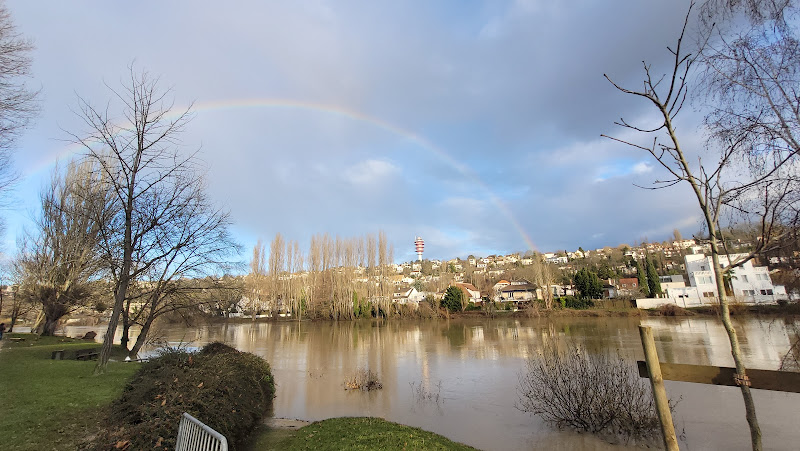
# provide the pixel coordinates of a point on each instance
(788, 309)
(59, 404)
(362, 433)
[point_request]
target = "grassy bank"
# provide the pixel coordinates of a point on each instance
(52, 404)
(355, 434)
(59, 404)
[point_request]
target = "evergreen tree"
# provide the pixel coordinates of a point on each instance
(653, 284)
(588, 284)
(643, 286)
(454, 299)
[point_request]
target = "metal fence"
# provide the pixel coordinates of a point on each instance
(193, 435)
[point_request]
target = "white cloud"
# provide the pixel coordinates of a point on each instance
(371, 172)
(641, 167)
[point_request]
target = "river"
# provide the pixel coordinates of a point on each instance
(473, 366)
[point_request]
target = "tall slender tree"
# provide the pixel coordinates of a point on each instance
(644, 287)
(750, 70)
(653, 283)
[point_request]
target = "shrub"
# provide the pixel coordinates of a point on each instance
(472, 307)
(673, 310)
(596, 393)
(228, 390)
(363, 379)
(532, 310)
(574, 303)
(578, 304)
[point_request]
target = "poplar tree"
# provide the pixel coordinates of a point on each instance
(643, 285)
(653, 284)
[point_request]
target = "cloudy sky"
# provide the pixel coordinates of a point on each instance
(475, 125)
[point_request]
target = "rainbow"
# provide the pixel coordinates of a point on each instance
(236, 104)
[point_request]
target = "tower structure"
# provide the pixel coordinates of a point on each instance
(419, 245)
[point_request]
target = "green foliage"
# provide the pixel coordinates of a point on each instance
(575, 303)
(418, 285)
(454, 299)
(228, 390)
(588, 284)
(357, 308)
(605, 272)
(643, 286)
(653, 284)
(365, 434)
(472, 307)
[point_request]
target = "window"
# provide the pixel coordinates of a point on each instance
(762, 277)
(708, 294)
(766, 292)
(749, 293)
(744, 279)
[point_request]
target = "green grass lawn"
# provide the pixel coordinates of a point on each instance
(354, 434)
(52, 404)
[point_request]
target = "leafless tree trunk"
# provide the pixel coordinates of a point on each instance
(721, 188)
(153, 182)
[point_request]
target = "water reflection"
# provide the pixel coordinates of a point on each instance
(473, 364)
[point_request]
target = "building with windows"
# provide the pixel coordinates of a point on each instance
(747, 284)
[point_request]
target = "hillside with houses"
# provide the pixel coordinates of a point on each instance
(682, 274)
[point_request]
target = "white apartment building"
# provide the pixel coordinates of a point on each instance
(749, 284)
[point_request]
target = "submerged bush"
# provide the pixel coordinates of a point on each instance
(363, 379)
(673, 310)
(228, 390)
(596, 393)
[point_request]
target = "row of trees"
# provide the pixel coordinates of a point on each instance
(337, 278)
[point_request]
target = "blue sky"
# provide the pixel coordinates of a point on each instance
(475, 125)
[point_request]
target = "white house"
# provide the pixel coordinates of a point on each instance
(748, 284)
(409, 296)
(470, 290)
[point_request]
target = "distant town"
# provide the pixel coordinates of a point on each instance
(680, 273)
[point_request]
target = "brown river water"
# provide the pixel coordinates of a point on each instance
(468, 370)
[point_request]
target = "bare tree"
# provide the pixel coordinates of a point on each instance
(255, 282)
(17, 102)
(543, 277)
(753, 178)
(56, 265)
(153, 181)
(195, 248)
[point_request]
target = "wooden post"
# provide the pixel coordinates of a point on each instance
(659, 392)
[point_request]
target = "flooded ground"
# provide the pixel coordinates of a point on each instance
(458, 378)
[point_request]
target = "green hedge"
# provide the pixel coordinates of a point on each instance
(228, 390)
(575, 303)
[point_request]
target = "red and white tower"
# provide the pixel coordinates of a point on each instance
(419, 245)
